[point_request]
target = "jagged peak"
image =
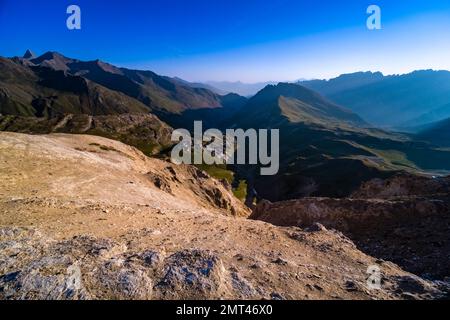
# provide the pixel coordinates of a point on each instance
(29, 54)
(49, 55)
(286, 89)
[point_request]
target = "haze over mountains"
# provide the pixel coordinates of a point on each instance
(330, 125)
(379, 189)
(243, 89)
(324, 145)
(436, 132)
(407, 100)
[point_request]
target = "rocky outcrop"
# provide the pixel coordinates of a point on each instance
(143, 131)
(36, 267)
(413, 232)
(403, 185)
(349, 215)
(211, 191)
(89, 268)
(98, 164)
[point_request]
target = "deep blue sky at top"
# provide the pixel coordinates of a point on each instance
(250, 40)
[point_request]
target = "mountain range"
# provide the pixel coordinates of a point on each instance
(324, 145)
(401, 101)
(238, 87)
(324, 142)
(27, 82)
(54, 93)
(436, 132)
(87, 185)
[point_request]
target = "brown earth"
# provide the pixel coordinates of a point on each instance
(84, 217)
(403, 185)
(404, 219)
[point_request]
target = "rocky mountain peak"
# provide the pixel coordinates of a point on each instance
(29, 54)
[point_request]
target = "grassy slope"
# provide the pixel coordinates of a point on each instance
(221, 172)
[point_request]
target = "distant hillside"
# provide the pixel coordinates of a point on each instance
(400, 100)
(430, 118)
(143, 131)
(66, 85)
(343, 82)
(200, 85)
(28, 90)
(243, 89)
(292, 103)
(326, 150)
(437, 133)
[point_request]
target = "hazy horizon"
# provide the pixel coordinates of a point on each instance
(237, 80)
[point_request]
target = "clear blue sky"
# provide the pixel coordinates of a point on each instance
(248, 40)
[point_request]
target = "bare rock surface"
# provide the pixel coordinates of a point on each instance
(88, 167)
(82, 222)
(403, 185)
(413, 232)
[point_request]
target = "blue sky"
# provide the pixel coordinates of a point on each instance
(247, 40)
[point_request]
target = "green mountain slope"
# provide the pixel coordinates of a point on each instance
(292, 103)
(326, 150)
(437, 133)
(143, 131)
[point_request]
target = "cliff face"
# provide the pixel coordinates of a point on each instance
(354, 216)
(404, 219)
(403, 185)
(84, 217)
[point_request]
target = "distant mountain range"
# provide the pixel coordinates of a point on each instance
(324, 145)
(326, 135)
(293, 103)
(55, 83)
(202, 86)
(243, 89)
(400, 101)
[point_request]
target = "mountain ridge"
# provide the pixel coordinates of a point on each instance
(158, 93)
(321, 143)
(393, 100)
(271, 103)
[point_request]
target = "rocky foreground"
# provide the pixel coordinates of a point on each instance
(404, 219)
(84, 217)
